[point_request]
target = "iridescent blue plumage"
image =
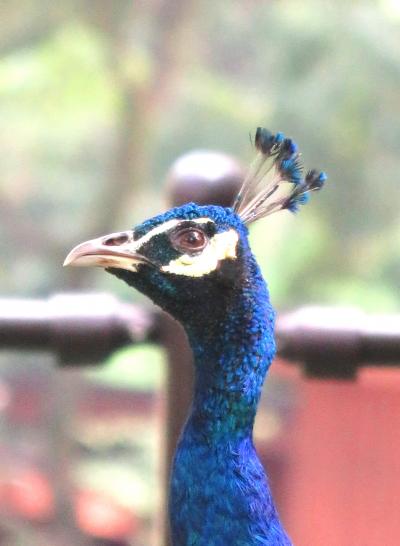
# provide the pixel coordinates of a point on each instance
(219, 491)
(195, 262)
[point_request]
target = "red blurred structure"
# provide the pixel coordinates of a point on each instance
(341, 460)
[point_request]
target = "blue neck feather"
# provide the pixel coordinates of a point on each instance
(232, 355)
(219, 492)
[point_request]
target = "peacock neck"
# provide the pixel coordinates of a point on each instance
(233, 345)
(219, 493)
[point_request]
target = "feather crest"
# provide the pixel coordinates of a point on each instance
(275, 179)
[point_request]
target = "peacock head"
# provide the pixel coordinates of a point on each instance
(200, 254)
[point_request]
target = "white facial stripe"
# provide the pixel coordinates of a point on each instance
(221, 247)
(162, 228)
(202, 220)
(155, 231)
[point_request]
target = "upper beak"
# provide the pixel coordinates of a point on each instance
(114, 250)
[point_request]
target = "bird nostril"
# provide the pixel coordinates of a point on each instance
(116, 240)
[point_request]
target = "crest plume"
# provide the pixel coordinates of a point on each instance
(275, 180)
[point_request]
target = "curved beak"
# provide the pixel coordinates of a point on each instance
(115, 250)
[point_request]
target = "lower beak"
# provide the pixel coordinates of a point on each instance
(115, 250)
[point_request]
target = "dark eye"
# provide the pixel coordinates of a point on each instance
(189, 240)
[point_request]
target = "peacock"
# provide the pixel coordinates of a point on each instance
(195, 262)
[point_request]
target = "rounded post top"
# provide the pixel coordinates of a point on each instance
(204, 177)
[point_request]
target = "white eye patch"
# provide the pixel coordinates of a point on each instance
(221, 246)
(163, 228)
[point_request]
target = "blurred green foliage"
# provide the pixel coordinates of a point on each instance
(140, 368)
(97, 100)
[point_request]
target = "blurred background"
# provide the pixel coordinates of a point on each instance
(97, 99)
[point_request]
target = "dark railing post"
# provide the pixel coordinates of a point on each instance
(204, 178)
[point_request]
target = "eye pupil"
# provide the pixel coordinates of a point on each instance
(193, 238)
